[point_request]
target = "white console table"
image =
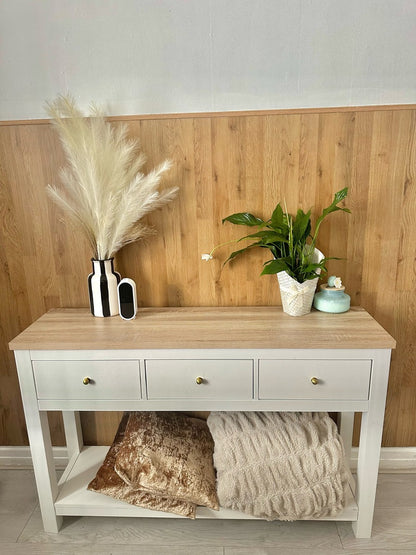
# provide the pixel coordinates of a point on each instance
(251, 359)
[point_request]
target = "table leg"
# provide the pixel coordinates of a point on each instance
(370, 444)
(73, 432)
(346, 428)
(40, 444)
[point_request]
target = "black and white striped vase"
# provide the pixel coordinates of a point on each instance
(102, 287)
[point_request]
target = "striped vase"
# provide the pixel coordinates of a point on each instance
(102, 287)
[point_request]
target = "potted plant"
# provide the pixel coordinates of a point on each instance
(103, 192)
(296, 260)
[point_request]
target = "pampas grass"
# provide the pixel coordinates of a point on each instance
(103, 190)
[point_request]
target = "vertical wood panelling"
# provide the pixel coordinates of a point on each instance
(223, 164)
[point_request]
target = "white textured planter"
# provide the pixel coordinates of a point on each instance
(297, 297)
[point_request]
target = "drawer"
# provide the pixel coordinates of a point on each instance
(221, 379)
(336, 379)
(109, 379)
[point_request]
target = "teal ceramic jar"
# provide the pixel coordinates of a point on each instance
(332, 299)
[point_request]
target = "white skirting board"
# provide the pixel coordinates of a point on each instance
(20, 457)
(393, 459)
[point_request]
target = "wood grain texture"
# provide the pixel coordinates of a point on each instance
(223, 163)
(204, 328)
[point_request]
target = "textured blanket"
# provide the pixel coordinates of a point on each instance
(279, 465)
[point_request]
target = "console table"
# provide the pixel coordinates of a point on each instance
(245, 358)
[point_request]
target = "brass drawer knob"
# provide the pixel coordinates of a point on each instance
(199, 380)
(86, 381)
(314, 381)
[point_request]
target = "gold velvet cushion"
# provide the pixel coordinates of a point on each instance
(108, 482)
(170, 454)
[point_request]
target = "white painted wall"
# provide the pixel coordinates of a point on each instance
(160, 56)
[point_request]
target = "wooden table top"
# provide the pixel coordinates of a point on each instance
(204, 328)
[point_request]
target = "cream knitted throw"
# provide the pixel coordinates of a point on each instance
(285, 466)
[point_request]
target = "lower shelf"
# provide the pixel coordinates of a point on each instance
(75, 500)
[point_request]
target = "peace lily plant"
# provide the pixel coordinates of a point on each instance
(295, 257)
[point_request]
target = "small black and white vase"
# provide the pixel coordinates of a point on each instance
(102, 287)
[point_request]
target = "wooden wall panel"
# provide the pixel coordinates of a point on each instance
(223, 163)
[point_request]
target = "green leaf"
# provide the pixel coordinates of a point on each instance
(275, 266)
(236, 253)
(243, 218)
(312, 267)
(301, 226)
(338, 197)
(265, 235)
(277, 219)
(274, 238)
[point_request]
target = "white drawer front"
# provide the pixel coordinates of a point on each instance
(221, 379)
(109, 379)
(293, 379)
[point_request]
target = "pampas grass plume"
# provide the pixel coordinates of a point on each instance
(103, 191)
